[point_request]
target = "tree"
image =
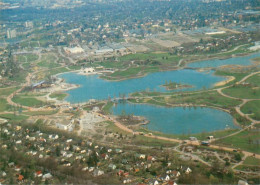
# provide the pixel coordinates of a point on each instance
(57, 151)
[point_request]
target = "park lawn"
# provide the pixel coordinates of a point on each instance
(4, 106)
(252, 161)
(7, 91)
(26, 101)
(48, 61)
(252, 108)
(248, 168)
(238, 76)
(254, 80)
(27, 65)
(160, 57)
(48, 64)
(133, 72)
(208, 98)
(199, 136)
(19, 77)
(14, 117)
(58, 96)
(126, 73)
(112, 64)
(139, 140)
(240, 91)
(36, 113)
(30, 58)
(74, 67)
(107, 108)
(240, 50)
(246, 140)
(146, 141)
(257, 59)
(58, 70)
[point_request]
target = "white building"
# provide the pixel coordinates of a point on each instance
(28, 24)
(75, 50)
(11, 33)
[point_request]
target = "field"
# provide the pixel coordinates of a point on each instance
(14, 117)
(58, 96)
(4, 106)
(163, 58)
(7, 91)
(27, 58)
(199, 136)
(246, 140)
(48, 61)
(252, 108)
(241, 91)
(28, 101)
(252, 161)
(208, 98)
(254, 80)
(36, 113)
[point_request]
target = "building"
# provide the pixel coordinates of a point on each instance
(11, 33)
(89, 70)
(28, 24)
(75, 50)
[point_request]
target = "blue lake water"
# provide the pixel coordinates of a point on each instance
(178, 120)
(92, 87)
(175, 120)
(243, 60)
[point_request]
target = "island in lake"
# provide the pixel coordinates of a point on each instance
(173, 85)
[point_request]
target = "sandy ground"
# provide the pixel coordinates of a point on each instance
(166, 43)
(224, 82)
(2, 121)
(89, 120)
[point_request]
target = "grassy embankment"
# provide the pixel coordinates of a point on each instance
(28, 100)
(48, 61)
(252, 108)
(42, 113)
(136, 65)
(14, 117)
(58, 95)
(246, 140)
(211, 99)
(4, 106)
(139, 139)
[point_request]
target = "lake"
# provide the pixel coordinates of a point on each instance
(242, 60)
(92, 87)
(175, 120)
(178, 120)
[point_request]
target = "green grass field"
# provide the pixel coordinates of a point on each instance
(4, 106)
(14, 117)
(164, 58)
(28, 101)
(208, 98)
(132, 72)
(240, 91)
(252, 161)
(58, 96)
(252, 108)
(36, 113)
(7, 91)
(246, 140)
(254, 80)
(27, 58)
(238, 76)
(48, 62)
(57, 71)
(107, 107)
